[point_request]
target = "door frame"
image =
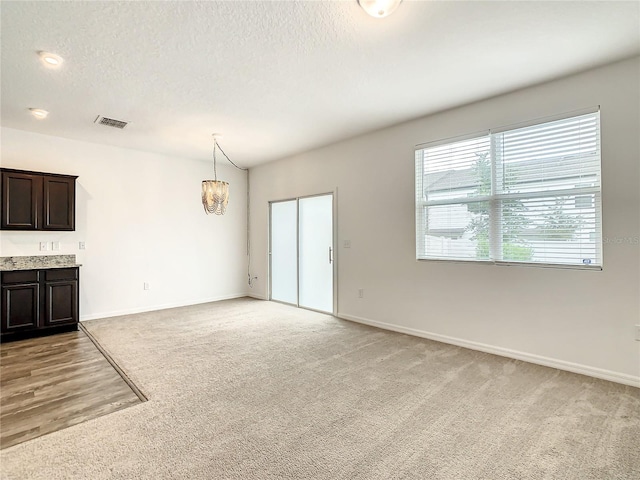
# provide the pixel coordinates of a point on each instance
(334, 269)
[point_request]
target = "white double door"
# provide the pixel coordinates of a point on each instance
(301, 252)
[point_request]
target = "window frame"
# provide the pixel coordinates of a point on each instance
(495, 199)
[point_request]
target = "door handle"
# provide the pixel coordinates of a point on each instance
(330, 255)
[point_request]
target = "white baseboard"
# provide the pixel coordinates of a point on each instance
(153, 308)
(256, 296)
(622, 378)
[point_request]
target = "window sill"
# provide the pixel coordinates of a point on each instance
(562, 266)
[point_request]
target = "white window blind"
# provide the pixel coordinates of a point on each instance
(523, 195)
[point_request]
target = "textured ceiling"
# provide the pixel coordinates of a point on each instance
(280, 77)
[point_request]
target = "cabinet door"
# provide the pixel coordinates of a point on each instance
(20, 307)
(21, 198)
(61, 302)
(59, 203)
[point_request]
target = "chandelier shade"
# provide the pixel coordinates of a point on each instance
(215, 196)
(379, 8)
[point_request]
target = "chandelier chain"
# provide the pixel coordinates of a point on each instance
(215, 173)
(215, 144)
(215, 196)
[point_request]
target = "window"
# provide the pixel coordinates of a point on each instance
(584, 201)
(522, 195)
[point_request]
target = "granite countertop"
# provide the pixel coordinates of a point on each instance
(38, 262)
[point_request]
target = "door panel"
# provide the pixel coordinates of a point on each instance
(284, 251)
(59, 202)
(21, 196)
(316, 253)
(20, 307)
(61, 302)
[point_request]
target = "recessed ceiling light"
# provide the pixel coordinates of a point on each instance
(39, 113)
(379, 8)
(50, 60)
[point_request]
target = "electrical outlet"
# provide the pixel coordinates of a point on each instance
(637, 333)
(55, 246)
(346, 243)
(361, 293)
(44, 246)
(146, 286)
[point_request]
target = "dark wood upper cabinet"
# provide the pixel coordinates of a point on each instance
(59, 203)
(37, 201)
(20, 197)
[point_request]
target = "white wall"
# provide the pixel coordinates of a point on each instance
(578, 320)
(141, 217)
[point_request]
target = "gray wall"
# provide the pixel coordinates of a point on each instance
(577, 320)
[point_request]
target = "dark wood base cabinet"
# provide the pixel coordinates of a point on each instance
(39, 302)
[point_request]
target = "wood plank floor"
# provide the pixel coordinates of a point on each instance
(50, 383)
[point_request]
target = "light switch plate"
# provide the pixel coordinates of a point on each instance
(44, 246)
(55, 246)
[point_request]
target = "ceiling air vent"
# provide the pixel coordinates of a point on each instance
(110, 122)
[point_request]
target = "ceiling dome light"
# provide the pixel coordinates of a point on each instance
(50, 60)
(39, 113)
(379, 8)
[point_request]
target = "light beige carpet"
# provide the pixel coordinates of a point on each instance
(245, 389)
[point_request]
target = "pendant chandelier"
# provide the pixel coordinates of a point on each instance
(215, 193)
